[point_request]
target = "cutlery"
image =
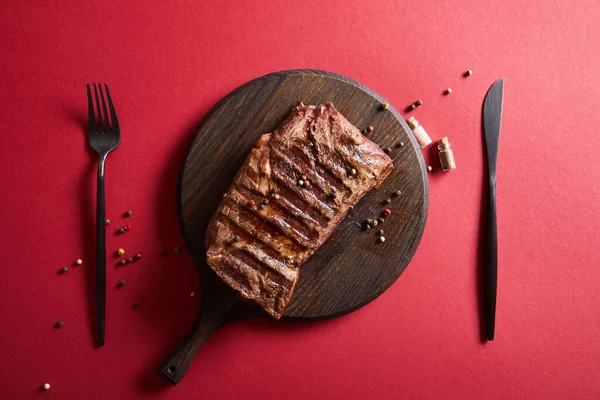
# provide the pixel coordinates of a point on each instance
(492, 115)
(104, 136)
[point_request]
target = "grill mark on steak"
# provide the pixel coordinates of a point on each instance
(319, 178)
(284, 205)
(273, 211)
(254, 256)
(287, 178)
(274, 244)
(263, 218)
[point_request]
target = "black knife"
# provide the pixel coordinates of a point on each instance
(492, 115)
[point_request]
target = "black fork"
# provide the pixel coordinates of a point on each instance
(104, 136)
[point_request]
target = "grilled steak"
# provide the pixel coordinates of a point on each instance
(294, 189)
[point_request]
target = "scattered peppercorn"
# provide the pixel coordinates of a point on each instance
(129, 260)
(331, 196)
(122, 283)
(128, 213)
(385, 106)
(63, 270)
(177, 249)
(122, 262)
(303, 177)
(447, 91)
(381, 232)
(333, 189)
(163, 253)
(375, 222)
(381, 239)
(418, 103)
(381, 220)
(412, 106)
(387, 150)
(306, 183)
(265, 201)
(397, 193)
(468, 73)
(121, 252)
(388, 201)
(107, 221)
(429, 168)
(353, 171)
(127, 227)
(79, 261)
(192, 294)
(137, 304)
(236, 238)
(370, 128)
(300, 182)
(262, 207)
(138, 255)
(273, 190)
(122, 230)
(59, 324)
(276, 196)
(46, 386)
(387, 212)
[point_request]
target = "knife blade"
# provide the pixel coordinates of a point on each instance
(492, 116)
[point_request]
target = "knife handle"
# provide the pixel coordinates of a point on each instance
(490, 264)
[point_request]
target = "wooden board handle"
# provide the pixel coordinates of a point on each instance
(217, 310)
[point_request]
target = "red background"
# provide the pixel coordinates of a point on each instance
(167, 65)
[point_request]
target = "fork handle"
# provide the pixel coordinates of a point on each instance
(101, 252)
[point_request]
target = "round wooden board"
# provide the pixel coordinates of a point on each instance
(351, 268)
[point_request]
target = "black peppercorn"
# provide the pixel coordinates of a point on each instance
(128, 213)
(418, 103)
(64, 270)
(163, 253)
(122, 262)
(388, 201)
(388, 150)
(59, 324)
(130, 260)
(397, 193)
(236, 238)
(265, 201)
(381, 220)
(137, 304)
(122, 283)
(138, 256)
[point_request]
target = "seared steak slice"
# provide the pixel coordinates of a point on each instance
(294, 189)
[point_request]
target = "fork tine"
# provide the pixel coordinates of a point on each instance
(106, 125)
(99, 120)
(113, 114)
(91, 117)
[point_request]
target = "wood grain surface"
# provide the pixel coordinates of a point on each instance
(351, 268)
